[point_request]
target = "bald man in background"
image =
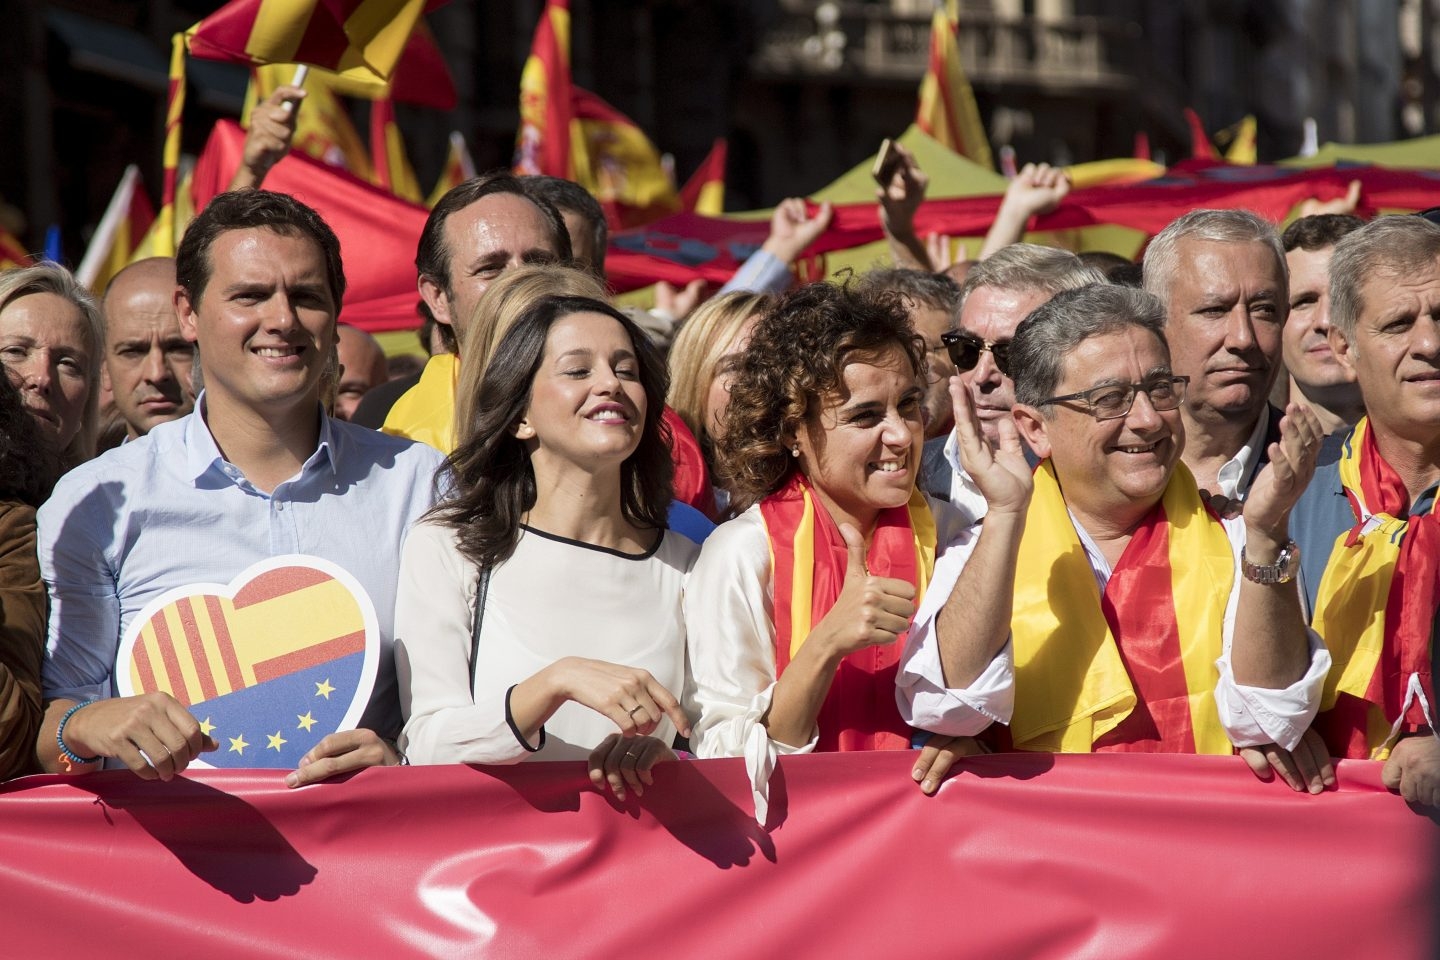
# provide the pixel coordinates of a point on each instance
(362, 368)
(147, 360)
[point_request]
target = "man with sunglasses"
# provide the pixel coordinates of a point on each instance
(1139, 621)
(998, 293)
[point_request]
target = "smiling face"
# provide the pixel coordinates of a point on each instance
(265, 323)
(1395, 353)
(1110, 470)
(993, 314)
(1225, 309)
(43, 348)
(496, 233)
(861, 448)
(1306, 340)
(587, 404)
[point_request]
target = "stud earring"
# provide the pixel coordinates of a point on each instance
(795, 452)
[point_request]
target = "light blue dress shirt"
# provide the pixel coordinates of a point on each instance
(168, 510)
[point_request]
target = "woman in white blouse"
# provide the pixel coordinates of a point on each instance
(795, 606)
(560, 488)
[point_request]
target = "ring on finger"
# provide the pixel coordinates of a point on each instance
(632, 710)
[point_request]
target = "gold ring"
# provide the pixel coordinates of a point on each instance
(632, 710)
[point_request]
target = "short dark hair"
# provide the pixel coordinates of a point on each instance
(938, 291)
(493, 482)
(432, 256)
(569, 195)
(249, 209)
(1319, 231)
(1055, 328)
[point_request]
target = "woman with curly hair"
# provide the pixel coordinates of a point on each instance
(28, 470)
(52, 341)
(794, 607)
(560, 484)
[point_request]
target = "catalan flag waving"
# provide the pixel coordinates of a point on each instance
(392, 170)
(459, 167)
(121, 229)
(947, 110)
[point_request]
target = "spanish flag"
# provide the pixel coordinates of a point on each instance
(458, 168)
(542, 145)
(121, 229)
(704, 192)
(614, 160)
(392, 170)
(947, 110)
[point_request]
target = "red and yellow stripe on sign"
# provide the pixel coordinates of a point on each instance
(204, 646)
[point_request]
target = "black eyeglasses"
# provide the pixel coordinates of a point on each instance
(1114, 400)
(965, 350)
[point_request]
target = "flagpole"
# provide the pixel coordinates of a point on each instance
(302, 70)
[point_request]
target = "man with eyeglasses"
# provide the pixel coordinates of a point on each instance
(998, 293)
(1139, 621)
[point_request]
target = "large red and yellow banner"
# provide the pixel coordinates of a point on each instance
(1019, 855)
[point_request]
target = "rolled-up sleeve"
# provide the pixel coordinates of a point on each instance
(920, 691)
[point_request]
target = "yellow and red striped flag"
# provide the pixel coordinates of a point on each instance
(542, 145)
(704, 192)
(1200, 146)
(458, 168)
(121, 229)
(12, 251)
(947, 110)
(392, 170)
(359, 39)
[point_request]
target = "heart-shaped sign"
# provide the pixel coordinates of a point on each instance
(270, 663)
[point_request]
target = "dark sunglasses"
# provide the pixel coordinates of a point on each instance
(965, 350)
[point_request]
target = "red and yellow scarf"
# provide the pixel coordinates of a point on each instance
(1376, 606)
(808, 559)
(1134, 668)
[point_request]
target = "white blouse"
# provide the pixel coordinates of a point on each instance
(552, 599)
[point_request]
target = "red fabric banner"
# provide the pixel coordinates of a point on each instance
(1020, 855)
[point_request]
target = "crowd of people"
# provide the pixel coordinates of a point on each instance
(1039, 501)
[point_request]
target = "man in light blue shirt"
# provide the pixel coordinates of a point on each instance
(257, 472)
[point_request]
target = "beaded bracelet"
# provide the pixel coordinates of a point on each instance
(70, 756)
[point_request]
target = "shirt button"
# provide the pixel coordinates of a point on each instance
(280, 506)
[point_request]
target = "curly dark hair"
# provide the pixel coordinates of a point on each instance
(493, 480)
(796, 356)
(29, 464)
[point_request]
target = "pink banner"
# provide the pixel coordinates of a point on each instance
(1032, 856)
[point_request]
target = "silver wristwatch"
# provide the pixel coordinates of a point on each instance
(1283, 570)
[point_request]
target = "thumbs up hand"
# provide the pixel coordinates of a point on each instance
(870, 610)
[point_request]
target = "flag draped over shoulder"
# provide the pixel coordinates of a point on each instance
(542, 145)
(119, 234)
(704, 192)
(947, 109)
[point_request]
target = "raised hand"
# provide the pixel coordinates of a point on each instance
(792, 228)
(272, 127)
(870, 610)
(1036, 189)
(1002, 473)
(901, 197)
(1280, 484)
(679, 302)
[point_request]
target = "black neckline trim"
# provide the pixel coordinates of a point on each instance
(590, 546)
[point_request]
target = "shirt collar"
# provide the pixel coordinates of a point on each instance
(202, 453)
(1235, 474)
